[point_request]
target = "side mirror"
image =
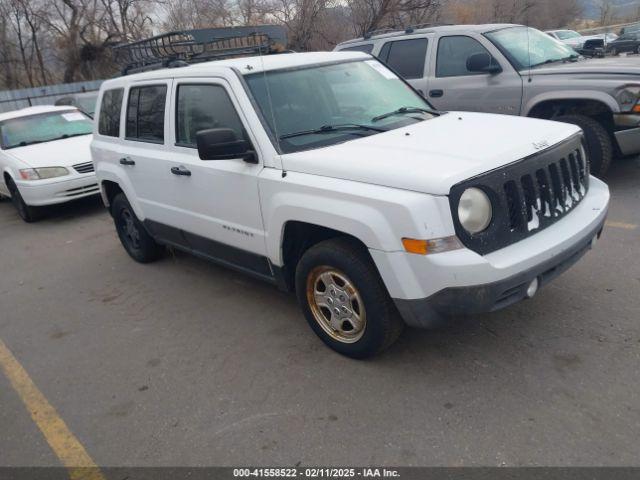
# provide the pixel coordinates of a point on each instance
(483, 63)
(224, 144)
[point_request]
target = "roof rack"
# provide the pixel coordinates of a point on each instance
(413, 28)
(181, 48)
(379, 31)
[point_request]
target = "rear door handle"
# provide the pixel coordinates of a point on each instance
(436, 93)
(127, 161)
(181, 171)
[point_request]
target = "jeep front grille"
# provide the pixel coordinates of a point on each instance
(527, 196)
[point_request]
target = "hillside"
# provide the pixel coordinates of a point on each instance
(623, 8)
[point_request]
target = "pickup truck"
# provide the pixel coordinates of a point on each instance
(328, 175)
(516, 70)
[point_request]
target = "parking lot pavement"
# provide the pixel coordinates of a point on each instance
(184, 363)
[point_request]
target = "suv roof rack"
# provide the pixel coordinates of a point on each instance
(413, 28)
(184, 47)
(408, 29)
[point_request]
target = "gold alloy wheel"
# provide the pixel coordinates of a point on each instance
(336, 304)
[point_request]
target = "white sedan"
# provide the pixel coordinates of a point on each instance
(45, 158)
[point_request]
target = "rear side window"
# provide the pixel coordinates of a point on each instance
(367, 48)
(109, 121)
(453, 53)
(145, 113)
(406, 57)
(201, 107)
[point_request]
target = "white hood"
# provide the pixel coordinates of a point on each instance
(433, 155)
(58, 153)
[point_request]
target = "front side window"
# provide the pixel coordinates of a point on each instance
(145, 113)
(109, 121)
(353, 94)
(453, 53)
(43, 127)
(201, 107)
(529, 48)
(407, 57)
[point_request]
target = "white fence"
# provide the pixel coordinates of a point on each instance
(16, 99)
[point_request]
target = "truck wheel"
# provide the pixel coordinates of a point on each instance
(134, 237)
(599, 146)
(27, 213)
(344, 300)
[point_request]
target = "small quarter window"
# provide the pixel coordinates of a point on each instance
(407, 57)
(201, 107)
(109, 121)
(145, 113)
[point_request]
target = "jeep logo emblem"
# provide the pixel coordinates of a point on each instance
(540, 145)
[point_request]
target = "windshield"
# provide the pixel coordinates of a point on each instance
(528, 48)
(44, 127)
(353, 96)
(567, 34)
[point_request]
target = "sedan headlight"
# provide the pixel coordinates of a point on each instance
(629, 99)
(43, 173)
(474, 210)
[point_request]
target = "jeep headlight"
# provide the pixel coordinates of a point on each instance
(43, 173)
(629, 99)
(474, 210)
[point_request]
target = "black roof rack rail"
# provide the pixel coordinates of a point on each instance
(379, 31)
(413, 28)
(185, 47)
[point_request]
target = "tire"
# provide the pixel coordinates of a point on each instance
(133, 235)
(598, 140)
(339, 271)
(27, 213)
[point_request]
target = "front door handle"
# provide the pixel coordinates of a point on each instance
(127, 161)
(436, 93)
(181, 171)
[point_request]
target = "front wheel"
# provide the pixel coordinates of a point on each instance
(598, 140)
(27, 213)
(134, 237)
(344, 300)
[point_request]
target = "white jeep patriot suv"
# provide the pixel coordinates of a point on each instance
(326, 174)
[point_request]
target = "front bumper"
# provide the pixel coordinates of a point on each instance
(58, 190)
(427, 288)
(432, 312)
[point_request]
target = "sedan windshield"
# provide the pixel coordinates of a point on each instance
(44, 127)
(529, 48)
(567, 34)
(328, 104)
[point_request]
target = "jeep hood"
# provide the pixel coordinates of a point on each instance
(598, 66)
(433, 155)
(57, 153)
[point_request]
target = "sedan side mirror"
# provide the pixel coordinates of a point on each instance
(224, 144)
(483, 63)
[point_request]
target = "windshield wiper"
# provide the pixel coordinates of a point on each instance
(331, 129)
(68, 135)
(570, 58)
(404, 111)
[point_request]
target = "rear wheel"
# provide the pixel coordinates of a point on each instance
(599, 146)
(134, 237)
(344, 300)
(27, 213)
